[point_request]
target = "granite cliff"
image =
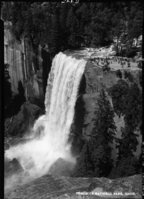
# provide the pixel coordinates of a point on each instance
(94, 79)
(26, 66)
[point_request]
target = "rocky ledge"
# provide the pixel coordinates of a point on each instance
(62, 187)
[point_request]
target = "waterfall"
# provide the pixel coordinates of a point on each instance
(50, 133)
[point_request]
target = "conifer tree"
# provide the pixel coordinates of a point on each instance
(6, 10)
(126, 167)
(128, 142)
(103, 135)
(133, 110)
(55, 35)
(118, 93)
(71, 26)
(119, 74)
(63, 29)
(85, 165)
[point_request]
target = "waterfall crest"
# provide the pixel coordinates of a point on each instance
(49, 136)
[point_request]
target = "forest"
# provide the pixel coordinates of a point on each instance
(65, 26)
(71, 25)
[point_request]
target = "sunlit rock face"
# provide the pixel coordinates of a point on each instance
(25, 66)
(48, 139)
(96, 79)
(14, 56)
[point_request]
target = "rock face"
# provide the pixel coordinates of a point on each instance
(12, 167)
(77, 188)
(23, 120)
(61, 168)
(13, 55)
(96, 79)
(25, 66)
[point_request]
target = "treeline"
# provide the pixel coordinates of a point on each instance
(69, 25)
(95, 159)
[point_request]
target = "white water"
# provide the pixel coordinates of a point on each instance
(38, 155)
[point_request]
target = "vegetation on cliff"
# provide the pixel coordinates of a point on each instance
(127, 101)
(95, 158)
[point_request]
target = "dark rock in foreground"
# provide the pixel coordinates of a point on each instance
(66, 187)
(12, 166)
(61, 168)
(21, 122)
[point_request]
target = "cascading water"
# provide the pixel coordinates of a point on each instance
(38, 155)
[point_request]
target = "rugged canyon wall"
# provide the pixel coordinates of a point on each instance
(26, 67)
(94, 80)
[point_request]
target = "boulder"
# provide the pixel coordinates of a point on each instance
(11, 167)
(61, 168)
(21, 122)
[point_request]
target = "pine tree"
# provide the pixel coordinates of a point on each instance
(128, 142)
(6, 9)
(103, 135)
(83, 18)
(104, 118)
(126, 167)
(71, 26)
(140, 78)
(119, 74)
(133, 110)
(55, 35)
(63, 32)
(84, 166)
(118, 93)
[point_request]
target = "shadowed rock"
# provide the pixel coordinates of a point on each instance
(61, 168)
(12, 167)
(23, 120)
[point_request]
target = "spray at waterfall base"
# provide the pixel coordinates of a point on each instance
(49, 136)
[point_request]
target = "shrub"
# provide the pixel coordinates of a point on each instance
(131, 53)
(128, 75)
(106, 68)
(119, 74)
